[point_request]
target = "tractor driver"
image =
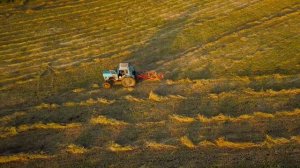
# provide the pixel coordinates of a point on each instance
(121, 74)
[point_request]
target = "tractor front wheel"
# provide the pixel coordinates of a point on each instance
(128, 82)
(107, 85)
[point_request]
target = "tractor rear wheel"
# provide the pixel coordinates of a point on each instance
(107, 85)
(128, 82)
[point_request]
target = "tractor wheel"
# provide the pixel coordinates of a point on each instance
(107, 85)
(128, 82)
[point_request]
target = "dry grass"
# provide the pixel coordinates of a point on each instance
(74, 149)
(221, 142)
(294, 113)
(95, 86)
(78, 90)
(272, 93)
(46, 106)
(248, 117)
(70, 104)
(271, 142)
(102, 120)
(96, 101)
(23, 128)
(12, 131)
(181, 119)
(222, 57)
(105, 101)
(159, 146)
(181, 81)
(151, 124)
(262, 115)
(187, 142)
(218, 118)
(177, 97)
(22, 157)
(133, 99)
(114, 147)
(89, 102)
(155, 97)
(7, 132)
(206, 144)
(296, 139)
(8, 118)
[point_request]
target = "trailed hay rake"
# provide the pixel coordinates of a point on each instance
(150, 75)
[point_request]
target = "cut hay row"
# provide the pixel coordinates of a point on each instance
(243, 94)
(102, 120)
(256, 116)
(243, 80)
(155, 97)
(159, 146)
(22, 157)
(75, 149)
(12, 131)
(88, 102)
(114, 147)
(269, 142)
(4, 120)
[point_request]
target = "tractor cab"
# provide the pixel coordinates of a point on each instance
(125, 70)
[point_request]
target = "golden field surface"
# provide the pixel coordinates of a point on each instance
(230, 97)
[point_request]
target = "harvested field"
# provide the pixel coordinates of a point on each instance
(230, 96)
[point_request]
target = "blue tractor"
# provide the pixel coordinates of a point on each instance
(125, 75)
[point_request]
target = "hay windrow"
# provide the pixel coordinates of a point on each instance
(155, 97)
(158, 98)
(12, 131)
(187, 142)
(46, 106)
(22, 157)
(114, 147)
(74, 149)
(102, 120)
(181, 119)
(221, 142)
(133, 99)
(159, 146)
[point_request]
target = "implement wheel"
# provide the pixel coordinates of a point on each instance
(107, 85)
(128, 82)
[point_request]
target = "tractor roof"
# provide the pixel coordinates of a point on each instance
(124, 65)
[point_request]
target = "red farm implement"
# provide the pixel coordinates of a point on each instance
(150, 75)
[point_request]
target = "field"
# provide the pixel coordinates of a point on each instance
(230, 97)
